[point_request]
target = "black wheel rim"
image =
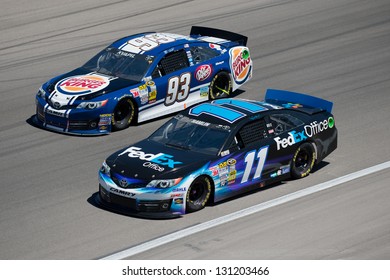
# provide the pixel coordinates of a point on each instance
(122, 112)
(302, 160)
(221, 86)
(197, 191)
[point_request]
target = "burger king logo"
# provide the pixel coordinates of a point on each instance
(82, 85)
(241, 64)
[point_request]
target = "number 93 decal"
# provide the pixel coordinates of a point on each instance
(178, 88)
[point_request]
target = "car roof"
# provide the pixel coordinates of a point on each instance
(229, 111)
(141, 43)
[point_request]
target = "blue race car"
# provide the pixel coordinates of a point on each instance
(142, 77)
(217, 150)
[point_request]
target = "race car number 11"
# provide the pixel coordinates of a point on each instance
(250, 159)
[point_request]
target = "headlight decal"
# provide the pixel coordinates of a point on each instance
(92, 105)
(41, 92)
(164, 184)
(105, 168)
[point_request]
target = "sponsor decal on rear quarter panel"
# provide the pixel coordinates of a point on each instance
(203, 72)
(241, 64)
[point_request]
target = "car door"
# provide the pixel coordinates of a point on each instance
(182, 76)
(172, 79)
(249, 161)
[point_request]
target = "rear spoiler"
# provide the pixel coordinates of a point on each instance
(218, 33)
(282, 96)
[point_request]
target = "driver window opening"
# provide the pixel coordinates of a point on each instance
(284, 122)
(249, 134)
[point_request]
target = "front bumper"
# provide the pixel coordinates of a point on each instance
(139, 202)
(128, 206)
(82, 122)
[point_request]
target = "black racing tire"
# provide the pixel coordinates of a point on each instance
(220, 86)
(303, 161)
(198, 194)
(123, 114)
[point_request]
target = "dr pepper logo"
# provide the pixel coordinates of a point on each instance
(81, 85)
(203, 72)
(241, 63)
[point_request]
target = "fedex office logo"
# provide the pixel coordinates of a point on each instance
(160, 158)
(309, 131)
(294, 137)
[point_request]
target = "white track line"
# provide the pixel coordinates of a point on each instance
(242, 213)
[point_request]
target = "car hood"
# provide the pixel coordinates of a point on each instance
(85, 85)
(148, 160)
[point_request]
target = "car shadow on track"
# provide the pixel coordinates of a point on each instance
(319, 166)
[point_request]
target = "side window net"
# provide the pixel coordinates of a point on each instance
(252, 132)
(174, 61)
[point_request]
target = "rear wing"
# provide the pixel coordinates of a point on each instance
(276, 96)
(218, 33)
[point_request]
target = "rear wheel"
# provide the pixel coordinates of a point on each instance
(198, 194)
(220, 86)
(303, 161)
(123, 114)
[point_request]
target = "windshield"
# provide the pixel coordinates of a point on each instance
(190, 134)
(122, 64)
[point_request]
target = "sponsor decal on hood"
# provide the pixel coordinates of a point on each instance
(146, 160)
(82, 84)
(156, 159)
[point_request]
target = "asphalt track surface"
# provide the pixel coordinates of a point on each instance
(335, 49)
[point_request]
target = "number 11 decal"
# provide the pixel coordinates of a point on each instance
(250, 159)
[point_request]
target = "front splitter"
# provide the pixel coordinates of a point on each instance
(145, 215)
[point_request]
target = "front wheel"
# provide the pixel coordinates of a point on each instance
(198, 194)
(303, 161)
(123, 114)
(220, 86)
